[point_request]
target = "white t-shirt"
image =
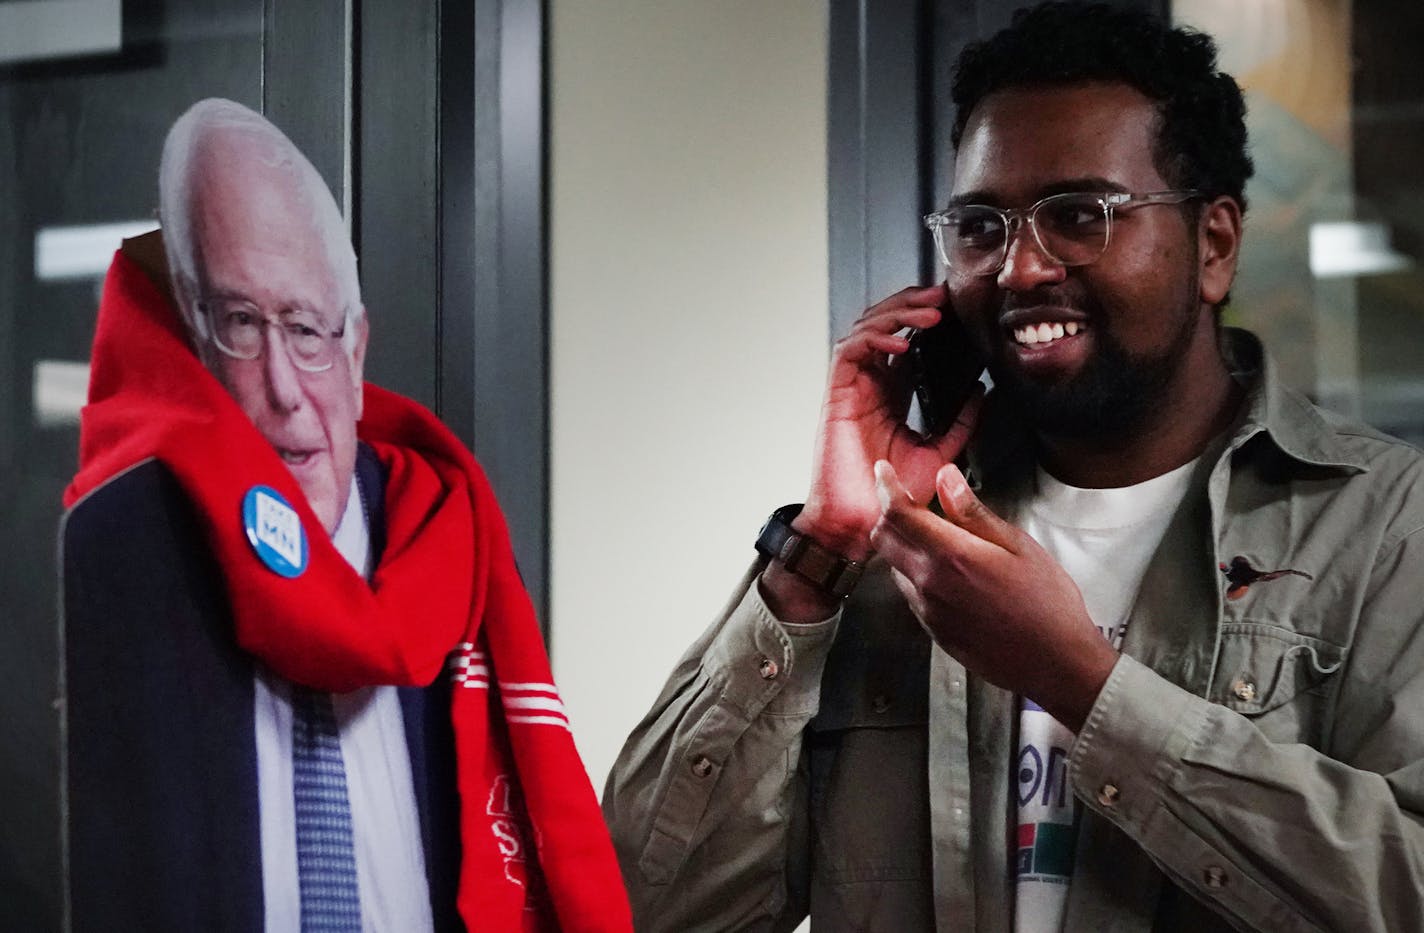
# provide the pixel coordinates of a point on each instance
(1104, 538)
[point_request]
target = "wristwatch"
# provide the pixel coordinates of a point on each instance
(833, 574)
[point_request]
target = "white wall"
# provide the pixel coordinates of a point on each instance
(688, 323)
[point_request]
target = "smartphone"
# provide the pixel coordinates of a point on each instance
(945, 368)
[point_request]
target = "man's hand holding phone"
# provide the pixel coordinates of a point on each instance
(863, 420)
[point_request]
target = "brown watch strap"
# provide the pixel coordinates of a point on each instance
(834, 574)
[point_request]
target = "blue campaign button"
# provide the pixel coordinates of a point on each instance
(275, 531)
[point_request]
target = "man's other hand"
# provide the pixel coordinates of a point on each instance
(991, 596)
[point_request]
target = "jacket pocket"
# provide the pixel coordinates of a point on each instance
(867, 754)
(869, 803)
(1275, 676)
(877, 674)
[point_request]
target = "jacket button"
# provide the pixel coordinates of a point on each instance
(767, 669)
(881, 703)
(1245, 690)
(1108, 795)
(702, 766)
(1214, 876)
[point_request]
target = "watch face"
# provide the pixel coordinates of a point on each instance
(787, 513)
(776, 530)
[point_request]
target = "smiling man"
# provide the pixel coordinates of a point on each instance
(306, 688)
(1152, 662)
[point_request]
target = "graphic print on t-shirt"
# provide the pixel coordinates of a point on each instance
(1044, 860)
(1104, 539)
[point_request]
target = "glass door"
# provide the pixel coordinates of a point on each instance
(88, 89)
(426, 120)
(1331, 276)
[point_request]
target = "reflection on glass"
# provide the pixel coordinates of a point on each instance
(60, 387)
(1331, 276)
(83, 251)
(1345, 248)
(39, 29)
(82, 118)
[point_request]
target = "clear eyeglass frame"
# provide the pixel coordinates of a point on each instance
(1077, 247)
(310, 346)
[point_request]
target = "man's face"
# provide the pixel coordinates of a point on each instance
(1136, 309)
(254, 241)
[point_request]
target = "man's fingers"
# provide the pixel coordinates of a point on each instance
(952, 441)
(916, 526)
(964, 509)
(881, 344)
(906, 586)
(926, 295)
(902, 529)
(877, 336)
(908, 559)
(898, 318)
(881, 335)
(935, 557)
(888, 488)
(910, 307)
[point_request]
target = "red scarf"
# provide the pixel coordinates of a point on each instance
(536, 854)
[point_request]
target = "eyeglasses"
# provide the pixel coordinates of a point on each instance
(238, 326)
(1072, 229)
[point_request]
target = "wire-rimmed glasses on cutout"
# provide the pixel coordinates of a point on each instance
(238, 327)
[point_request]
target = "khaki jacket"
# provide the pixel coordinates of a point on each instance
(1252, 763)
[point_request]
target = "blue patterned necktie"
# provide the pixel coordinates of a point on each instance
(326, 852)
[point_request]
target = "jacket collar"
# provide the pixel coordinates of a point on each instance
(1296, 427)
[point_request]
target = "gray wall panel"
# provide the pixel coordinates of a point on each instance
(397, 192)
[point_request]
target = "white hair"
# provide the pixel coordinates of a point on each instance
(190, 134)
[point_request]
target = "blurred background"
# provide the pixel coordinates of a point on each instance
(609, 242)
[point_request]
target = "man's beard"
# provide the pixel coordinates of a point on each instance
(1115, 393)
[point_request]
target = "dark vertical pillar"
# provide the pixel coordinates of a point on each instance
(306, 85)
(396, 229)
(503, 381)
(451, 234)
(876, 153)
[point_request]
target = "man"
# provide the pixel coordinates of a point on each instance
(263, 596)
(1252, 758)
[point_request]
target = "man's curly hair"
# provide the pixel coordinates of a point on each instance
(1201, 129)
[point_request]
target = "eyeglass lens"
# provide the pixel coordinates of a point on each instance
(238, 328)
(1071, 228)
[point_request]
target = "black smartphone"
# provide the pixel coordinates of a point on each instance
(945, 367)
